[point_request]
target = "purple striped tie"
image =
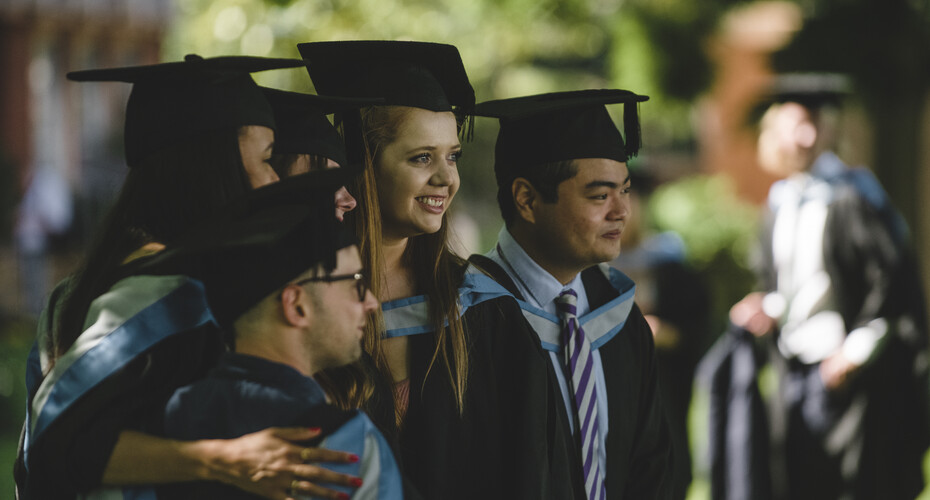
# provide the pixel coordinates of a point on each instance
(581, 367)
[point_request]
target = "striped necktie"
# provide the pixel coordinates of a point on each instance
(580, 367)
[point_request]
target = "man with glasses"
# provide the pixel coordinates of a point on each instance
(286, 282)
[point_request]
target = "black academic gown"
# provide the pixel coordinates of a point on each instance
(245, 394)
(737, 431)
(167, 338)
(638, 443)
(879, 423)
(509, 441)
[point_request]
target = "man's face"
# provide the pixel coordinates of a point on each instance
(786, 134)
(583, 226)
(339, 317)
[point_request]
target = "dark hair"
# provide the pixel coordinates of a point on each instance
(282, 164)
(163, 197)
(545, 178)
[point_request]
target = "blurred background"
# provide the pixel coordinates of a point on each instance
(704, 63)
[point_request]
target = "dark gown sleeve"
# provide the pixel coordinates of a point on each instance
(649, 475)
(73, 452)
(683, 302)
(508, 442)
(873, 269)
(865, 260)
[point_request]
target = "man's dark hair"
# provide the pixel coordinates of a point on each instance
(545, 178)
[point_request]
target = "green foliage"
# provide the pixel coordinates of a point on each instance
(498, 40)
(707, 214)
(718, 229)
(15, 341)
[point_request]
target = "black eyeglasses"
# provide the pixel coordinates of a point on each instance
(361, 285)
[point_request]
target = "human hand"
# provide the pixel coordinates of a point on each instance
(836, 370)
(749, 315)
(268, 463)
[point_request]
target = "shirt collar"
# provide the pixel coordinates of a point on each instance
(540, 288)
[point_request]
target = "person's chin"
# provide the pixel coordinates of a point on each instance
(429, 227)
(607, 253)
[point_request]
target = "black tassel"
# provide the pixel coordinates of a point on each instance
(465, 116)
(631, 128)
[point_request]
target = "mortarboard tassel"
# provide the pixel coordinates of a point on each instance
(631, 128)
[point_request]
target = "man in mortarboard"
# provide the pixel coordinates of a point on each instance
(286, 282)
(563, 190)
(841, 300)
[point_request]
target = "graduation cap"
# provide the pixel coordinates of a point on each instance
(262, 242)
(811, 90)
(415, 74)
(174, 101)
(302, 126)
(547, 128)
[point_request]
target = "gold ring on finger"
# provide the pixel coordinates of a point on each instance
(305, 454)
(294, 484)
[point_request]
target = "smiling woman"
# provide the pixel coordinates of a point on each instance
(458, 377)
(416, 169)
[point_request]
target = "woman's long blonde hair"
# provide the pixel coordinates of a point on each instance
(437, 274)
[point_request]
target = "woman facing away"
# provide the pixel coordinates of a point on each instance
(199, 133)
(456, 376)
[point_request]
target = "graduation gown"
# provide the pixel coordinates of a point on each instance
(510, 441)
(246, 394)
(145, 337)
(878, 424)
(638, 443)
(738, 432)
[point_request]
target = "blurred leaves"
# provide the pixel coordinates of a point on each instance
(708, 215)
(719, 230)
(510, 47)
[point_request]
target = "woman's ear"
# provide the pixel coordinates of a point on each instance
(525, 198)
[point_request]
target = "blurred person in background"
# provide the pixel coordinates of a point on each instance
(674, 301)
(45, 212)
(843, 307)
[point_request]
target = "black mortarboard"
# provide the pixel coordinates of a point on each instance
(811, 90)
(548, 128)
(173, 101)
(416, 74)
(302, 126)
(263, 241)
